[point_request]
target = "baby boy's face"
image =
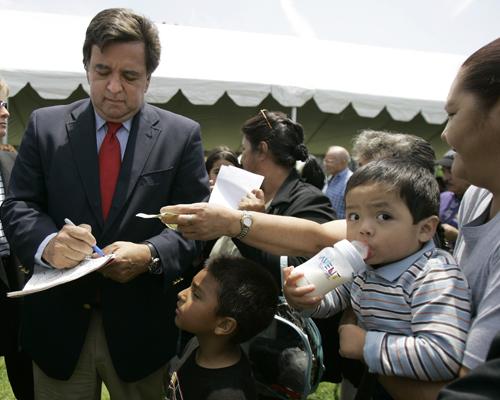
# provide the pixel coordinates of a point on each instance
(196, 305)
(381, 219)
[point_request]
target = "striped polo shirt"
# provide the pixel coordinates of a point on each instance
(416, 312)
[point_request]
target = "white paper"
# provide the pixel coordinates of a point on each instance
(45, 278)
(232, 185)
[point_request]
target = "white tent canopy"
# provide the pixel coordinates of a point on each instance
(204, 64)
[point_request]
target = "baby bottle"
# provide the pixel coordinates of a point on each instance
(333, 266)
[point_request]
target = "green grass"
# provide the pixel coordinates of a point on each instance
(6, 392)
(326, 390)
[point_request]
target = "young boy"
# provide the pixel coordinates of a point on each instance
(412, 302)
(228, 302)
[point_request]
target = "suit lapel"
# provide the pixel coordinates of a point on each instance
(82, 138)
(143, 136)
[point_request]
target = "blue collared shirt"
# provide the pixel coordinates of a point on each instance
(122, 134)
(334, 189)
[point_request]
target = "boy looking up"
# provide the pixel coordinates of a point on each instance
(229, 301)
(412, 302)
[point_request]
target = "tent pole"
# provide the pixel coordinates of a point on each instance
(294, 114)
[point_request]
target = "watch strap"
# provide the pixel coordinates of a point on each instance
(154, 266)
(244, 228)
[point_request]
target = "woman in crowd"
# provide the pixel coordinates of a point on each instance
(216, 158)
(473, 131)
(271, 145)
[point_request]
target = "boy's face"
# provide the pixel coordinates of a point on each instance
(196, 305)
(381, 219)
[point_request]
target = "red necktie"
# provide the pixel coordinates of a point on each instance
(109, 166)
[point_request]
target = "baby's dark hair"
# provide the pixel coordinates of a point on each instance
(416, 186)
(247, 293)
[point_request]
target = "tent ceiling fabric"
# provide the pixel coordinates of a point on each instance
(205, 64)
(221, 122)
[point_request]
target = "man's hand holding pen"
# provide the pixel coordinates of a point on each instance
(70, 246)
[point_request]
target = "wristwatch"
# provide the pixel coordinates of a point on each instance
(246, 222)
(154, 266)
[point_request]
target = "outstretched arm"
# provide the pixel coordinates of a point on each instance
(272, 233)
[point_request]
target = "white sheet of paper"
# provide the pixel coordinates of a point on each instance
(45, 278)
(232, 185)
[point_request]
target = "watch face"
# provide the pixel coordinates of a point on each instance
(247, 221)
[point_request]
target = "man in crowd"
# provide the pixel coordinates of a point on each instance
(98, 162)
(336, 165)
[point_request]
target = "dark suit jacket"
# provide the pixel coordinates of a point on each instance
(11, 277)
(6, 162)
(55, 177)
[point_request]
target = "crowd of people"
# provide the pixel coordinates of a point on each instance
(421, 322)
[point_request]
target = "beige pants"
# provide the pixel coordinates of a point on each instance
(94, 367)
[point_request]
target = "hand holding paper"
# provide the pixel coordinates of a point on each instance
(232, 185)
(202, 221)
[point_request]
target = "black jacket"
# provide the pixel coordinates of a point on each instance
(294, 199)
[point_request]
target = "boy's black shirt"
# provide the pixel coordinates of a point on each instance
(192, 382)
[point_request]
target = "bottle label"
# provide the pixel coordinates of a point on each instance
(328, 268)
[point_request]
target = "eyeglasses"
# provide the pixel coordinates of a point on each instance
(263, 112)
(3, 104)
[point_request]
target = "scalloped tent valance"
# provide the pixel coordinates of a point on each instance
(205, 64)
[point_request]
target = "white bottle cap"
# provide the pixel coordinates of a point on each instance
(354, 253)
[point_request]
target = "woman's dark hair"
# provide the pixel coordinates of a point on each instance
(284, 137)
(247, 292)
(120, 25)
(415, 184)
(481, 74)
(312, 172)
(221, 153)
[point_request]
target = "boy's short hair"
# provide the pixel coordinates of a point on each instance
(247, 293)
(416, 186)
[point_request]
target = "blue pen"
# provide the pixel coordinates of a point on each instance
(95, 247)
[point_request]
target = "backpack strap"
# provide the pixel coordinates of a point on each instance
(176, 362)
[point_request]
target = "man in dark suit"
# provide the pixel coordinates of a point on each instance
(17, 363)
(98, 162)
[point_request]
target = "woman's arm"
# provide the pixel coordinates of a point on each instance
(272, 233)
